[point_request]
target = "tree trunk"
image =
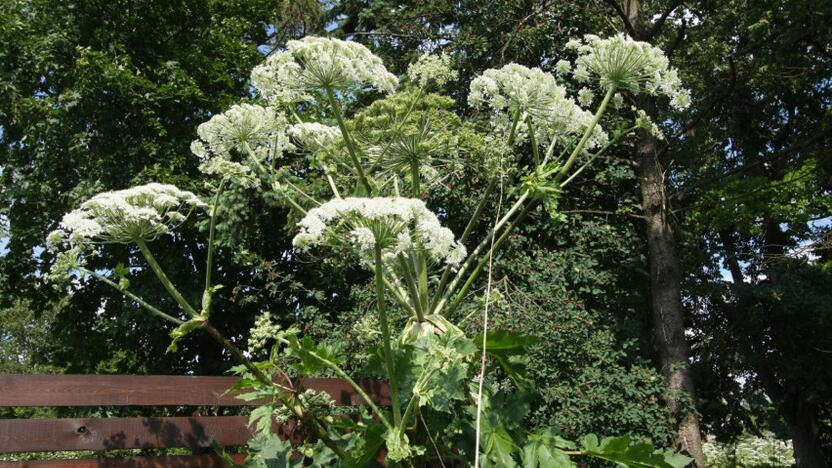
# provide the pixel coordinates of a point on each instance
(730, 249)
(807, 450)
(666, 300)
(667, 313)
(800, 414)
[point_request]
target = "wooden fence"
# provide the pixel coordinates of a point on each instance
(196, 432)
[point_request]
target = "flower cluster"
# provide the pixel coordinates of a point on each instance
(432, 70)
(263, 331)
(515, 90)
(316, 63)
(242, 128)
(644, 122)
(313, 135)
(394, 224)
(138, 213)
(225, 169)
(624, 63)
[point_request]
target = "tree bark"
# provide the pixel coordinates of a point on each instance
(807, 449)
(668, 316)
(667, 312)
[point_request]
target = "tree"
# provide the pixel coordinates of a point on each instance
(753, 196)
(98, 95)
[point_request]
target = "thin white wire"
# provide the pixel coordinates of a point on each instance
(485, 324)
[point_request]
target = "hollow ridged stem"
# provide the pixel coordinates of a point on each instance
(597, 117)
(288, 399)
(437, 309)
(209, 264)
(412, 287)
(446, 273)
(163, 278)
(150, 308)
(351, 150)
(475, 273)
(385, 335)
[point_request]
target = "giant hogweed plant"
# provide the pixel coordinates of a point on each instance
(371, 208)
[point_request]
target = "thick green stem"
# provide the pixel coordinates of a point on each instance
(296, 206)
(437, 309)
(209, 264)
(150, 308)
(577, 151)
(163, 278)
(475, 273)
(414, 176)
(412, 287)
(385, 336)
(353, 153)
(533, 141)
(330, 181)
(304, 194)
(595, 155)
(515, 121)
(423, 280)
(446, 273)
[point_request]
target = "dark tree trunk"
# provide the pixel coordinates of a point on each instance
(730, 249)
(667, 313)
(800, 414)
(668, 316)
(807, 449)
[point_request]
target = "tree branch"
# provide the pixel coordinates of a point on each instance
(540, 9)
(657, 26)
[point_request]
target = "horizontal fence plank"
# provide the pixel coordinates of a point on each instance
(155, 390)
(179, 461)
(38, 435)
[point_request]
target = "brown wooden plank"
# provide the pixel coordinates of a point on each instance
(154, 390)
(36, 435)
(180, 461)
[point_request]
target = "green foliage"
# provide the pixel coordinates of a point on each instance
(96, 96)
(102, 95)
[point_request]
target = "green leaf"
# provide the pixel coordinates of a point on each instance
(302, 349)
(269, 451)
(510, 351)
(543, 449)
(261, 419)
(621, 450)
(121, 270)
(499, 446)
(368, 445)
(506, 343)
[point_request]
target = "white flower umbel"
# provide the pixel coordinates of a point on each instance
(138, 213)
(630, 65)
(585, 96)
(260, 129)
(515, 90)
(394, 224)
(313, 135)
(315, 63)
(432, 70)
